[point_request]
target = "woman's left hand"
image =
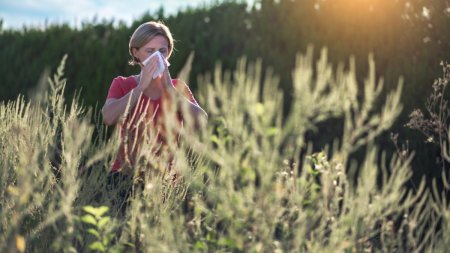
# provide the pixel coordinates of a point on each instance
(166, 79)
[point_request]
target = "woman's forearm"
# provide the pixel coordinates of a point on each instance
(115, 108)
(183, 102)
(195, 109)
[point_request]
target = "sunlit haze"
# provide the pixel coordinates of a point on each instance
(16, 14)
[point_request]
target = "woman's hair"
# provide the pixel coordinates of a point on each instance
(145, 33)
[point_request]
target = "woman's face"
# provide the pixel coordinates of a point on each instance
(158, 43)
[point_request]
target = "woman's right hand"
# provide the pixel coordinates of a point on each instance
(147, 71)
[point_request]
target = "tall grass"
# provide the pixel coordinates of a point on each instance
(246, 181)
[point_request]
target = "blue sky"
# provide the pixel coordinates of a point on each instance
(16, 13)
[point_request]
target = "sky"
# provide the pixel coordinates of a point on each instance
(17, 13)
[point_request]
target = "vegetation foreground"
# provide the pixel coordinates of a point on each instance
(247, 182)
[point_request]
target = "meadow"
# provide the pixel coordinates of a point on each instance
(248, 181)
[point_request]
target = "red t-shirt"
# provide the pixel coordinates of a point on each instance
(146, 110)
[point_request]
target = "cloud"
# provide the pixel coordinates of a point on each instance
(36, 13)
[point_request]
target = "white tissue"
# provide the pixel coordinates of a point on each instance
(160, 67)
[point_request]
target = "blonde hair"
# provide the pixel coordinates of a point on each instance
(145, 33)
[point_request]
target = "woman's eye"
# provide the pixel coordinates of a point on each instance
(163, 51)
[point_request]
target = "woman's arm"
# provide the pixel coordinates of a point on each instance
(114, 108)
(196, 111)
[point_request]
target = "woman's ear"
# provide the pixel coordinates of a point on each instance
(134, 52)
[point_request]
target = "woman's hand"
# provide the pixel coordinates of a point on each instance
(167, 80)
(147, 71)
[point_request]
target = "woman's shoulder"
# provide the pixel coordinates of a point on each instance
(124, 79)
(125, 82)
(120, 86)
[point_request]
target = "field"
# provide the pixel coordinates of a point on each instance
(247, 181)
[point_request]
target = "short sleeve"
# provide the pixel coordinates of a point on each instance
(115, 90)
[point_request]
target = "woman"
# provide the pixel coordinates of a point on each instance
(142, 99)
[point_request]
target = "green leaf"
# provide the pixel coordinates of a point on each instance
(200, 245)
(89, 219)
(116, 249)
(97, 246)
(102, 210)
(80, 238)
(71, 249)
(129, 244)
(94, 232)
(96, 211)
(272, 131)
(105, 240)
(227, 242)
(103, 221)
(214, 139)
(312, 171)
(90, 209)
